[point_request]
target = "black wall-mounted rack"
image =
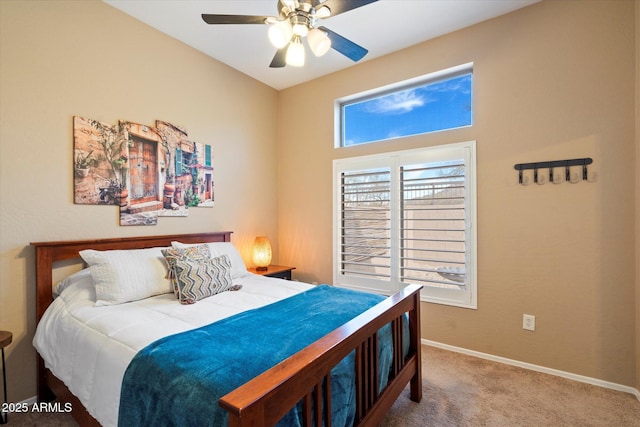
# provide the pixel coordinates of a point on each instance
(551, 165)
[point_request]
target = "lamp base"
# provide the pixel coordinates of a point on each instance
(262, 268)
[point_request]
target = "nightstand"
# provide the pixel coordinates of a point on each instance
(278, 271)
(5, 340)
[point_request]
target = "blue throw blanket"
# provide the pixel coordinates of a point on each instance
(178, 380)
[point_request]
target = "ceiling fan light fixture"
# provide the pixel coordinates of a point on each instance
(319, 42)
(291, 4)
(295, 53)
(280, 34)
(300, 29)
(297, 19)
(323, 12)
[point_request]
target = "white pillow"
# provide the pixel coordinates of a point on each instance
(238, 269)
(127, 275)
(78, 276)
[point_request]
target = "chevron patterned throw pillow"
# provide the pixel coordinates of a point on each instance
(198, 279)
(194, 253)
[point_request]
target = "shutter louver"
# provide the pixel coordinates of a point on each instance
(432, 235)
(365, 215)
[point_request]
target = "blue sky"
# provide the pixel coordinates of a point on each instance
(432, 107)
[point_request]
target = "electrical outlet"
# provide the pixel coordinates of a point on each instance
(529, 322)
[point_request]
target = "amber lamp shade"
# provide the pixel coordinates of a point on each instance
(261, 253)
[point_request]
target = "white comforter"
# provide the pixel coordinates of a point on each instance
(89, 348)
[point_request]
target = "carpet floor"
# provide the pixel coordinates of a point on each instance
(461, 390)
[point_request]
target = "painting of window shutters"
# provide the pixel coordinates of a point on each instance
(147, 171)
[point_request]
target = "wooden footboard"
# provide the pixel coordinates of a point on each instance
(305, 376)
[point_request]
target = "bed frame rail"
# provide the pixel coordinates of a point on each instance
(305, 376)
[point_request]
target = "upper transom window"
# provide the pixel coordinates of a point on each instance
(435, 102)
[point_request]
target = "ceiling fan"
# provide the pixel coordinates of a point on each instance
(296, 20)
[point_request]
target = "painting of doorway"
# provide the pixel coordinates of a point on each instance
(147, 171)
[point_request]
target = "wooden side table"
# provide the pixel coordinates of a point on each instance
(278, 271)
(5, 340)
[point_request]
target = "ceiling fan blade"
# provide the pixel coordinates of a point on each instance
(340, 6)
(280, 58)
(345, 46)
(233, 19)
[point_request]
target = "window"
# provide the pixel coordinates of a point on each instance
(183, 162)
(435, 102)
(408, 217)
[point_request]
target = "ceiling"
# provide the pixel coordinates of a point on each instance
(381, 27)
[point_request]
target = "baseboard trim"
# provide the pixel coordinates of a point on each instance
(30, 401)
(538, 368)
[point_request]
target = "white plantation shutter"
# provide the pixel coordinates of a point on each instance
(366, 223)
(407, 218)
(432, 236)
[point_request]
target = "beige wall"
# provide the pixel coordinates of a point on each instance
(66, 58)
(551, 81)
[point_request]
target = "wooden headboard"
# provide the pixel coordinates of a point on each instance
(49, 252)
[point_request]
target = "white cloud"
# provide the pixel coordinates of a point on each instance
(396, 103)
(460, 85)
(408, 100)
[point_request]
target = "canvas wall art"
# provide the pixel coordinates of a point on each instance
(148, 172)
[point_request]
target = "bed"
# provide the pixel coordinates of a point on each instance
(300, 382)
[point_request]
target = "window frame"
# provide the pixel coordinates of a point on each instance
(458, 298)
(431, 78)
